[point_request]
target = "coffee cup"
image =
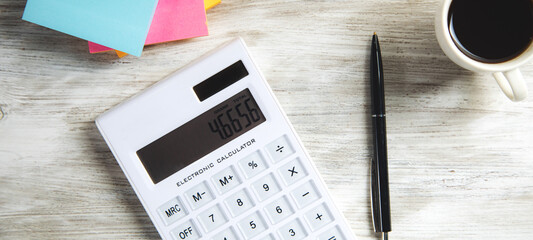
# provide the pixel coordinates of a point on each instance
(491, 36)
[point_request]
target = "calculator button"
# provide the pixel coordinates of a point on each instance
(253, 164)
(212, 218)
(239, 203)
(187, 231)
(266, 187)
(199, 195)
(292, 171)
(318, 217)
(252, 225)
(279, 149)
(226, 180)
(305, 194)
(279, 210)
(268, 237)
(228, 234)
(332, 234)
(293, 231)
(171, 211)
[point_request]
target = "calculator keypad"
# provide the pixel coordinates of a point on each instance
(266, 195)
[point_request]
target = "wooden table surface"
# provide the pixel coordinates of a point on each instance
(460, 153)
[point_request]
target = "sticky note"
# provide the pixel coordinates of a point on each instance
(173, 20)
(211, 3)
(119, 24)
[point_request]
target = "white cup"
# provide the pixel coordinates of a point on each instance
(506, 73)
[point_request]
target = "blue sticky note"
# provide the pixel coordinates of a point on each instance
(118, 24)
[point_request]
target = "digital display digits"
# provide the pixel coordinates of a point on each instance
(201, 135)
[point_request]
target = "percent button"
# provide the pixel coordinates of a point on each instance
(252, 164)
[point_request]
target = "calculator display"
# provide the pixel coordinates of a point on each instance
(201, 135)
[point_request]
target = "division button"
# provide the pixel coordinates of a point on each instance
(279, 149)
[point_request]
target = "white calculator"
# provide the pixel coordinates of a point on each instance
(211, 155)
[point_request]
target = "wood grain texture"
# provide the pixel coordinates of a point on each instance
(460, 153)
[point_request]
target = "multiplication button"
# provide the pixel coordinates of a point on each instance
(279, 149)
(305, 194)
(266, 187)
(186, 231)
(171, 211)
(252, 164)
(199, 195)
(292, 171)
(226, 180)
(318, 217)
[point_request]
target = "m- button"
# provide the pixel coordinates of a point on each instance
(199, 195)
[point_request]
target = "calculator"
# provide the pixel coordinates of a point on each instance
(211, 155)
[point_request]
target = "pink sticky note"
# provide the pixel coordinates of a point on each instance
(173, 20)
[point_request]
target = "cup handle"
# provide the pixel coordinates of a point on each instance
(512, 84)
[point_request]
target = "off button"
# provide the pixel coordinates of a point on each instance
(186, 231)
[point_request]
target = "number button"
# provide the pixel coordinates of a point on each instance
(228, 234)
(226, 180)
(318, 217)
(252, 225)
(171, 211)
(199, 195)
(279, 210)
(305, 194)
(186, 231)
(279, 149)
(332, 234)
(212, 218)
(239, 203)
(266, 187)
(268, 237)
(292, 171)
(253, 164)
(292, 231)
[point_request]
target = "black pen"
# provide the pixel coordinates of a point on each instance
(379, 177)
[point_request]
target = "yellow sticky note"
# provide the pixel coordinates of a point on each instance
(208, 4)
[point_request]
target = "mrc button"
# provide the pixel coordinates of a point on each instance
(171, 211)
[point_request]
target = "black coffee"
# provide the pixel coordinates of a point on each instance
(491, 30)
